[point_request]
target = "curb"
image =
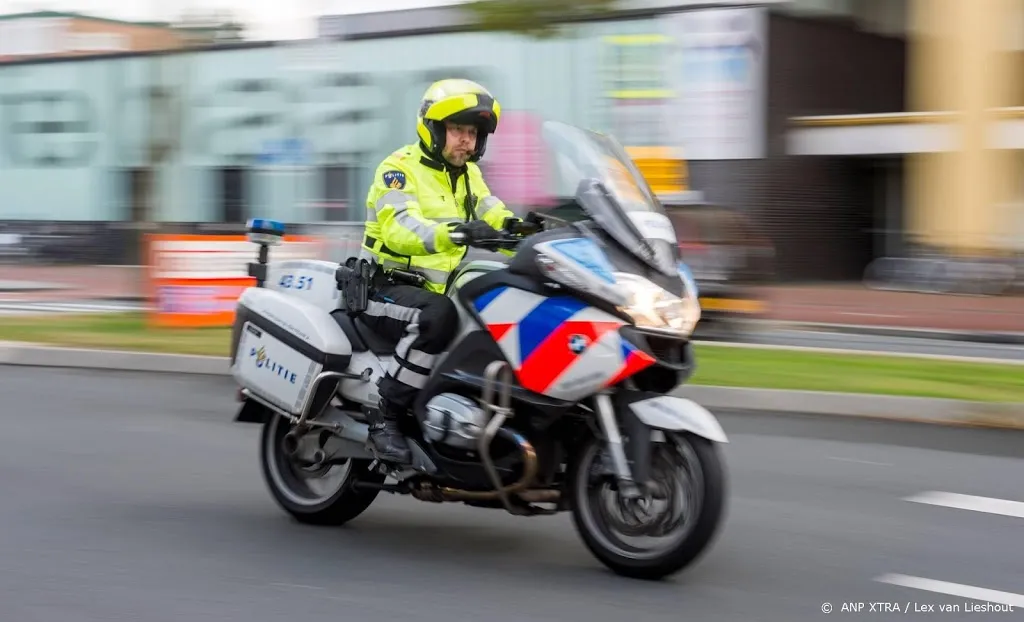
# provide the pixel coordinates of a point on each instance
(882, 407)
(32, 355)
(911, 333)
(20, 287)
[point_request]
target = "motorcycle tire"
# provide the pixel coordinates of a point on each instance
(703, 529)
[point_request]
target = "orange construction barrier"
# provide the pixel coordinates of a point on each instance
(195, 280)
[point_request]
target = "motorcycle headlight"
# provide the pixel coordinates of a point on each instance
(652, 307)
(688, 280)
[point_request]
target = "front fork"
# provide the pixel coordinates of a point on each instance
(631, 461)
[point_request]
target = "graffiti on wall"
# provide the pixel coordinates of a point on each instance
(342, 117)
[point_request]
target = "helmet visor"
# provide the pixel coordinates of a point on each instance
(468, 109)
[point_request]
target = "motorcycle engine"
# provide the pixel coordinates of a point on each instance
(454, 420)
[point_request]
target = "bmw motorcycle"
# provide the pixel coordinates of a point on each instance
(554, 396)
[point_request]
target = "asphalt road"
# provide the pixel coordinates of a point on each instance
(127, 497)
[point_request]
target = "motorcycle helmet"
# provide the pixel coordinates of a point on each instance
(458, 101)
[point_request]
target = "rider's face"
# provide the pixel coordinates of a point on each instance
(460, 144)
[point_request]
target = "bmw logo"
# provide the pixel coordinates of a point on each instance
(578, 343)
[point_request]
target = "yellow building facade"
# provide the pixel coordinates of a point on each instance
(962, 60)
(961, 135)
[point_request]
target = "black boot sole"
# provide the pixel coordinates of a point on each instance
(403, 459)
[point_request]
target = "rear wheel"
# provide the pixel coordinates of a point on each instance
(658, 536)
(321, 495)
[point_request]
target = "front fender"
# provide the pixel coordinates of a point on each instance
(676, 414)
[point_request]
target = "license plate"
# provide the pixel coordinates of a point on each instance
(736, 305)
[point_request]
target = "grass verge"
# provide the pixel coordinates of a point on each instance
(716, 365)
(115, 331)
(856, 373)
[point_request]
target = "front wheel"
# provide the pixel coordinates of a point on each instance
(661, 534)
(316, 496)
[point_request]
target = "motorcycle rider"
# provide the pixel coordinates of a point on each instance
(420, 195)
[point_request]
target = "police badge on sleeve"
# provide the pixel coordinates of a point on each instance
(394, 179)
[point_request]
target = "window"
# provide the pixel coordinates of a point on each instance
(336, 203)
(234, 199)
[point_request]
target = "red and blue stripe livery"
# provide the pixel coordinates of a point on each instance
(559, 346)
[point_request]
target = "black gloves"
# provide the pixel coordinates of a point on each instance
(477, 231)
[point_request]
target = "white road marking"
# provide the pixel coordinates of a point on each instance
(954, 589)
(856, 461)
(297, 586)
(970, 502)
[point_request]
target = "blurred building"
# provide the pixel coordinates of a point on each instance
(856, 156)
(801, 115)
(51, 35)
(48, 34)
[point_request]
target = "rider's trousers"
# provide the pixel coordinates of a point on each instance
(424, 323)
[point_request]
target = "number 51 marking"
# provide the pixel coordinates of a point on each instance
(289, 281)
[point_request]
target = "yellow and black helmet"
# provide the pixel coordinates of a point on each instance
(458, 101)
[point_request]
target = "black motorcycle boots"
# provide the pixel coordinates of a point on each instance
(386, 437)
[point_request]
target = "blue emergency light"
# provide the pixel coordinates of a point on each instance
(264, 232)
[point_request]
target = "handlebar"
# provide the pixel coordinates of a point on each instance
(507, 240)
(511, 234)
(498, 243)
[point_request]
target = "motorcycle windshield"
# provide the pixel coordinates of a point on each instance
(611, 190)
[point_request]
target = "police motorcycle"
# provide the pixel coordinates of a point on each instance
(554, 395)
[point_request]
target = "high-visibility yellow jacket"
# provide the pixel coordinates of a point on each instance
(413, 205)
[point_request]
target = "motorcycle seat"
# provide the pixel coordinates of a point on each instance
(361, 337)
